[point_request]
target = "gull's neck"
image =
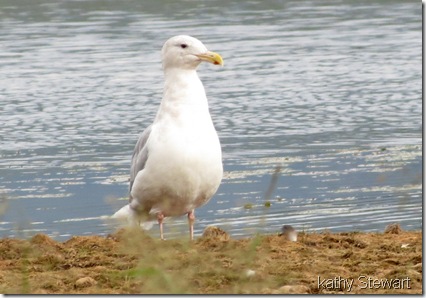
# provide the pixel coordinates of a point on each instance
(183, 97)
(183, 86)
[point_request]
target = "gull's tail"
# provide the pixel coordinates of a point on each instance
(127, 213)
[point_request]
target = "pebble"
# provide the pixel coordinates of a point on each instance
(85, 282)
(250, 273)
(289, 233)
(393, 228)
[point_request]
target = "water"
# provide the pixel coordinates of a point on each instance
(329, 91)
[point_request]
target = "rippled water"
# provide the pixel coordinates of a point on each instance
(328, 91)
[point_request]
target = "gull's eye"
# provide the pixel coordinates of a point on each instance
(183, 46)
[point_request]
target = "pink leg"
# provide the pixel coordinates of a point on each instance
(191, 219)
(160, 218)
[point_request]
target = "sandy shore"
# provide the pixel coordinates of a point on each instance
(132, 262)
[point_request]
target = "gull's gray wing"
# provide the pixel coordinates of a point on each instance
(140, 156)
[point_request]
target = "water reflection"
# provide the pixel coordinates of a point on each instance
(317, 88)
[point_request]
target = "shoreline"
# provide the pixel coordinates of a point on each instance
(132, 262)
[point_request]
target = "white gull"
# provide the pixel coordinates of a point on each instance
(177, 161)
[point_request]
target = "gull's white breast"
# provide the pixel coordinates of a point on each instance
(184, 166)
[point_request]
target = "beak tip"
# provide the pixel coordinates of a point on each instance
(211, 57)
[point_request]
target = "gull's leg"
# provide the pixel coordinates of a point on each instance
(191, 219)
(160, 217)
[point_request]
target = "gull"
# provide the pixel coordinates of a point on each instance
(176, 165)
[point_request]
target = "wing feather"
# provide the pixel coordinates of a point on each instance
(140, 156)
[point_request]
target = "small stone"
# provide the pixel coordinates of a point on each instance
(250, 273)
(405, 245)
(289, 233)
(393, 229)
(85, 282)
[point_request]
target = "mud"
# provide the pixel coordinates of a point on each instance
(133, 262)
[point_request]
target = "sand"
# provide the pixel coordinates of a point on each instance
(131, 262)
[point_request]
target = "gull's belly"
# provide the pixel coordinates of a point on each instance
(182, 173)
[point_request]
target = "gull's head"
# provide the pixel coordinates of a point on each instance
(187, 52)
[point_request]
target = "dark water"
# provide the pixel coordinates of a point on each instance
(328, 91)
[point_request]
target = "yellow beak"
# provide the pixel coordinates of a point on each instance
(211, 57)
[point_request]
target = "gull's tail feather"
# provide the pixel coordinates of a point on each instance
(123, 213)
(127, 213)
